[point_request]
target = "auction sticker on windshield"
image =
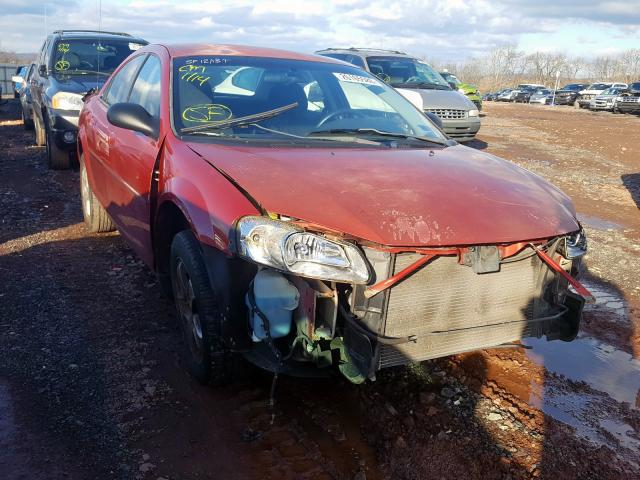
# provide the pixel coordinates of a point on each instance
(348, 77)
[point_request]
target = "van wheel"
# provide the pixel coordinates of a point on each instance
(199, 316)
(95, 216)
(41, 139)
(57, 158)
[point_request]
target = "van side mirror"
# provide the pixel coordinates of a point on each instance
(453, 86)
(42, 70)
(132, 116)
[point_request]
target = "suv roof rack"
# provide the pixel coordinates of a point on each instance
(356, 49)
(92, 31)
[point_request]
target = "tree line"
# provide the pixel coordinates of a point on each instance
(507, 66)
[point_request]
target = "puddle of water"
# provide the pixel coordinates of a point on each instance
(622, 432)
(598, 223)
(600, 365)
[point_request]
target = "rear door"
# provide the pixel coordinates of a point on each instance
(132, 157)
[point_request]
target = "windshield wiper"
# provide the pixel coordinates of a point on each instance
(236, 122)
(83, 72)
(373, 131)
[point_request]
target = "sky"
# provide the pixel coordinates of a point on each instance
(446, 30)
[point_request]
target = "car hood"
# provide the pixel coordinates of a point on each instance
(397, 197)
(592, 92)
(431, 99)
(78, 83)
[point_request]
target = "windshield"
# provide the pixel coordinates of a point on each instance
(598, 86)
(290, 100)
(406, 72)
(451, 78)
(573, 86)
(90, 56)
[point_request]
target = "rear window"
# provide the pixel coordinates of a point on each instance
(90, 55)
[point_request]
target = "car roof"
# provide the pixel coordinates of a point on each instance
(187, 49)
(80, 34)
(366, 52)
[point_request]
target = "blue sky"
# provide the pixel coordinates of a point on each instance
(449, 30)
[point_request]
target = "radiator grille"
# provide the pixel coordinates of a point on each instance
(442, 302)
(448, 113)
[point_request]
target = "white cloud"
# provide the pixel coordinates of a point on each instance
(445, 29)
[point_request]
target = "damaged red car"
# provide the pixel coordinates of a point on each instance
(303, 214)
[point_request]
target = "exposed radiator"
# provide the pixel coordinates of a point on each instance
(443, 302)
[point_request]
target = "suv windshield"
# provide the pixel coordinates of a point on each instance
(90, 56)
(451, 78)
(406, 72)
(299, 101)
(598, 86)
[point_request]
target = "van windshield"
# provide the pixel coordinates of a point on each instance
(406, 72)
(90, 56)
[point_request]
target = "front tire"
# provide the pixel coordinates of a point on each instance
(95, 216)
(57, 158)
(200, 318)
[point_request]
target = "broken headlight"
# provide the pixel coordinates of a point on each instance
(288, 248)
(574, 245)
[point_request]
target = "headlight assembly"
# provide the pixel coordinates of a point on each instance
(67, 101)
(474, 113)
(574, 245)
(284, 246)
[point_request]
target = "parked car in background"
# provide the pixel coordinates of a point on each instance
(629, 102)
(257, 213)
(541, 95)
(568, 94)
(523, 94)
(70, 64)
(21, 72)
(607, 99)
(588, 94)
(471, 91)
(420, 83)
(25, 97)
(507, 95)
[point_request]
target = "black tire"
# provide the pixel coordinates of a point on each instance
(95, 216)
(209, 360)
(27, 123)
(41, 138)
(57, 158)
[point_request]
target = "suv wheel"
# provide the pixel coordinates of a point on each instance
(57, 158)
(27, 123)
(41, 139)
(95, 216)
(199, 316)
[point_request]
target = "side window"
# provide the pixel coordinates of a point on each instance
(43, 50)
(120, 86)
(146, 89)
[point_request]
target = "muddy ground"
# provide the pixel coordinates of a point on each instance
(92, 384)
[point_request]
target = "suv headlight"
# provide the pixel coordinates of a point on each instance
(66, 101)
(474, 113)
(290, 249)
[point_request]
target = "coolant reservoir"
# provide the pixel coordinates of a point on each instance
(277, 298)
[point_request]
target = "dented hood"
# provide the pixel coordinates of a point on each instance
(397, 197)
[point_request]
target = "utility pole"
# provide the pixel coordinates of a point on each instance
(553, 99)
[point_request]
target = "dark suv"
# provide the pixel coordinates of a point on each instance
(568, 94)
(630, 101)
(70, 63)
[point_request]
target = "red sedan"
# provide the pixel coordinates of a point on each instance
(303, 213)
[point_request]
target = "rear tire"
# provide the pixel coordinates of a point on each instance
(197, 307)
(27, 123)
(57, 158)
(41, 138)
(95, 216)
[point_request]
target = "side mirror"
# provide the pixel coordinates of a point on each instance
(132, 116)
(453, 86)
(435, 119)
(42, 70)
(17, 79)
